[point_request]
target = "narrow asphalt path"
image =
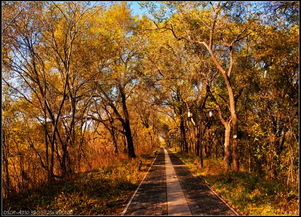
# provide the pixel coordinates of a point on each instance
(169, 188)
(150, 199)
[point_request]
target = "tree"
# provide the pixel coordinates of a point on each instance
(117, 80)
(220, 48)
(42, 58)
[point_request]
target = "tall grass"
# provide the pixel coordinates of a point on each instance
(248, 193)
(104, 190)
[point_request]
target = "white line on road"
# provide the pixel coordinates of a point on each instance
(127, 206)
(176, 201)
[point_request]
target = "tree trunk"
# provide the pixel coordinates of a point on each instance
(227, 146)
(51, 166)
(197, 146)
(130, 144)
(151, 139)
(234, 144)
(126, 125)
(46, 147)
(206, 148)
(199, 150)
(5, 162)
(114, 142)
(216, 148)
(113, 136)
(231, 104)
(64, 160)
(183, 135)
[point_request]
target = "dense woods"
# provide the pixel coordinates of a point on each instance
(86, 83)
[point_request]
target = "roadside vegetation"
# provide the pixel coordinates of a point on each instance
(247, 193)
(102, 191)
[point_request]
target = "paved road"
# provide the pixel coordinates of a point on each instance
(170, 189)
(150, 198)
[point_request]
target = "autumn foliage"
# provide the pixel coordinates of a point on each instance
(85, 84)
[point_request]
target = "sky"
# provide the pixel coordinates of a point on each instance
(136, 8)
(134, 5)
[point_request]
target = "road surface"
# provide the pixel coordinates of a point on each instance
(169, 188)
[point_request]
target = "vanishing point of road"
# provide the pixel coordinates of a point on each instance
(169, 188)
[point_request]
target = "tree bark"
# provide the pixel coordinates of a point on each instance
(227, 145)
(235, 158)
(199, 149)
(112, 131)
(127, 127)
(130, 144)
(6, 153)
(183, 135)
(197, 146)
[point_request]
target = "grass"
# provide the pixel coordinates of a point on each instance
(245, 192)
(102, 191)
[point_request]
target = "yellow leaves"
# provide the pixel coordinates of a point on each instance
(144, 26)
(255, 194)
(121, 13)
(294, 29)
(118, 19)
(294, 34)
(118, 71)
(60, 36)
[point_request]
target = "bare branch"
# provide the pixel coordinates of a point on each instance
(16, 89)
(60, 11)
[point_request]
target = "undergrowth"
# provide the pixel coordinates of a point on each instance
(247, 193)
(102, 191)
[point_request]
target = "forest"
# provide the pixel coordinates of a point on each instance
(89, 85)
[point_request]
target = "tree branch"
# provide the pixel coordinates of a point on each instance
(224, 122)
